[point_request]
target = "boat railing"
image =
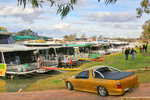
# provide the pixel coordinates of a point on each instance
(22, 67)
(49, 63)
(69, 57)
(89, 55)
(54, 57)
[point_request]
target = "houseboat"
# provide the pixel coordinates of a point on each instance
(17, 60)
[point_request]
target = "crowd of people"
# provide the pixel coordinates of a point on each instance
(133, 52)
(144, 49)
(65, 61)
(127, 52)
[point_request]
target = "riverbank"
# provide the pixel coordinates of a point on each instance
(117, 61)
(13, 85)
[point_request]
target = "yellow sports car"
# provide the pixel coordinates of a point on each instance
(103, 80)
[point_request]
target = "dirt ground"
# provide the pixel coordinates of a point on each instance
(65, 94)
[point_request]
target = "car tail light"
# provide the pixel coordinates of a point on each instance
(118, 85)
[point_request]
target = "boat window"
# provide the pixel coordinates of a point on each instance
(83, 75)
(6, 39)
(3, 39)
(19, 57)
(10, 39)
(51, 51)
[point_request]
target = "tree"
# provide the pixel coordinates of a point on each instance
(63, 7)
(26, 32)
(83, 36)
(100, 37)
(71, 37)
(66, 37)
(146, 31)
(94, 38)
(145, 8)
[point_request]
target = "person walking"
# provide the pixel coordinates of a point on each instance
(71, 63)
(39, 61)
(59, 62)
(133, 52)
(126, 53)
(143, 48)
(65, 61)
(122, 50)
(146, 48)
(140, 49)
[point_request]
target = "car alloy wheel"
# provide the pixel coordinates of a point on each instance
(102, 91)
(69, 85)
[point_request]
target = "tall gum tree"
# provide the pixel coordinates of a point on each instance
(145, 8)
(145, 36)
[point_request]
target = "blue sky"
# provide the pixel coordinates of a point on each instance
(89, 17)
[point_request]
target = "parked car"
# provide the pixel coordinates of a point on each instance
(103, 80)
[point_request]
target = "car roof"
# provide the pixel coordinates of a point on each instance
(95, 67)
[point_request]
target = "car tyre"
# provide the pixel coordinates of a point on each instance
(69, 86)
(102, 91)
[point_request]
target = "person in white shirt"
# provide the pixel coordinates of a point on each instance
(65, 61)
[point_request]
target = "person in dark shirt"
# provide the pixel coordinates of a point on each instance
(126, 53)
(59, 62)
(146, 48)
(143, 48)
(133, 52)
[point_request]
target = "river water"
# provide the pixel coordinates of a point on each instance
(13, 85)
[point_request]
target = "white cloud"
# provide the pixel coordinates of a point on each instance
(110, 17)
(78, 22)
(120, 25)
(86, 29)
(82, 3)
(62, 26)
(28, 15)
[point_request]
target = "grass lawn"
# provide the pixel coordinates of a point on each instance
(141, 61)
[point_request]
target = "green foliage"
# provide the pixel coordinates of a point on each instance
(63, 8)
(145, 8)
(145, 36)
(26, 32)
(109, 1)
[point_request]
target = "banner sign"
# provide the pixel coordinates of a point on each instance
(2, 69)
(3, 29)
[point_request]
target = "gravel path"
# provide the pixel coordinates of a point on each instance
(65, 94)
